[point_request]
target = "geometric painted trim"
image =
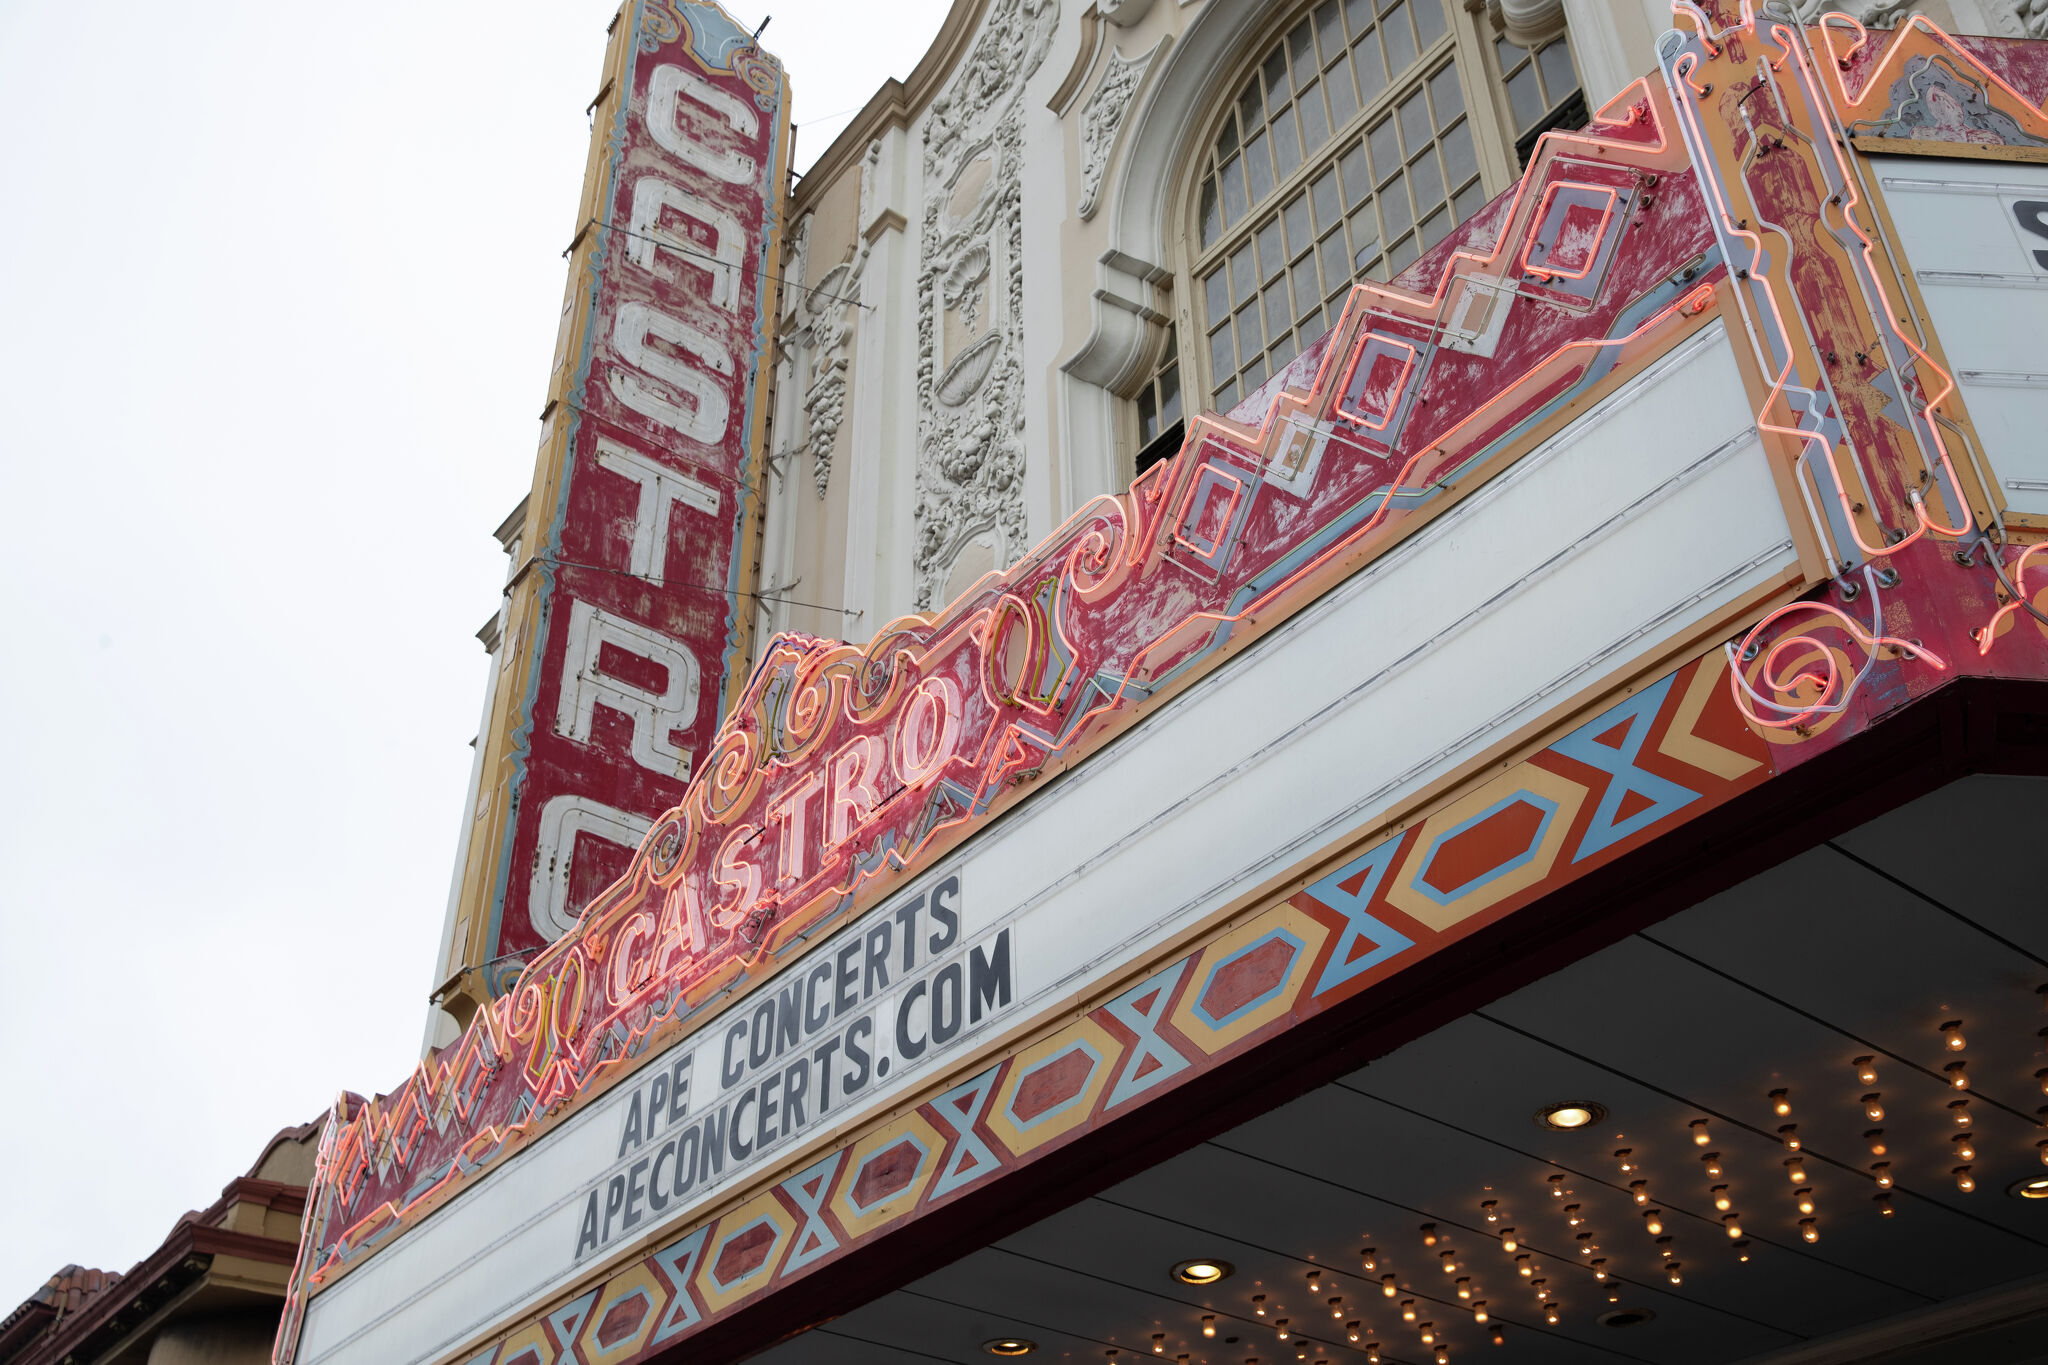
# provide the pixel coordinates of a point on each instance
(1348, 891)
(1593, 745)
(1142, 1009)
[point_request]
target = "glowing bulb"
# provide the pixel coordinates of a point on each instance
(1721, 1200)
(1653, 1222)
(1557, 1186)
(1866, 1070)
(2042, 1077)
(1479, 1311)
(1959, 1110)
(1159, 1343)
(1337, 1309)
(1491, 1208)
(1795, 1171)
(1464, 1288)
(1671, 1273)
(1571, 1211)
(1964, 1180)
(1884, 1203)
(1965, 1150)
(1387, 1285)
(1622, 1155)
(1873, 1108)
(1450, 1262)
(1372, 1353)
(1429, 1234)
(1640, 1189)
(1958, 1074)
(1315, 1282)
(1807, 1230)
(1586, 1247)
(1952, 1036)
(1664, 1247)
(1370, 1255)
(1550, 1312)
(1407, 1310)
(1599, 1267)
(1804, 1199)
(1734, 1228)
(1280, 1326)
(1875, 1137)
(1789, 1135)
(1427, 1331)
(1351, 1330)
(1523, 1268)
(1781, 1102)
(1508, 1242)
(1209, 1325)
(1536, 1287)
(1742, 1251)
(1712, 1161)
(1443, 1357)
(1259, 1304)
(1699, 1132)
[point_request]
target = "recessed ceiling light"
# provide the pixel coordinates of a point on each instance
(2037, 1188)
(1009, 1346)
(1625, 1317)
(1206, 1270)
(1576, 1114)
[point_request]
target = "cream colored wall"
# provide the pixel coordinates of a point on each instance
(217, 1341)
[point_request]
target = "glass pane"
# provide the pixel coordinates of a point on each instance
(1427, 181)
(1365, 235)
(1358, 13)
(1276, 79)
(1248, 107)
(1221, 360)
(1282, 353)
(1312, 329)
(1444, 94)
(1402, 256)
(1559, 79)
(1343, 94)
(1330, 29)
(1400, 39)
(1254, 373)
(1315, 124)
(1296, 217)
(1415, 126)
(1370, 268)
(1250, 341)
(1524, 98)
(1336, 261)
(1172, 347)
(1244, 275)
(1394, 214)
(1508, 54)
(1148, 416)
(1307, 292)
(1429, 20)
(1226, 397)
(1324, 192)
(1372, 69)
(1469, 201)
(1357, 177)
(1286, 151)
(1258, 167)
(1212, 221)
(1272, 257)
(1279, 310)
(1461, 162)
(1232, 178)
(1434, 227)
(1216, 292)
(1169, 396)
(1386, 149)
(1301, 47)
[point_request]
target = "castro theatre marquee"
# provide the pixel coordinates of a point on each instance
(1518, 833)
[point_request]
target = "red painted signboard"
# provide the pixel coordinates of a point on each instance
(646, 497)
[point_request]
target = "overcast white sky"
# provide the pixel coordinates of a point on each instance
(278, 289)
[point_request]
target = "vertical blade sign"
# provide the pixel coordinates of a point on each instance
(628, 619)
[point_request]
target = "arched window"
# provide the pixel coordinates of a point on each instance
(1347, 152)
